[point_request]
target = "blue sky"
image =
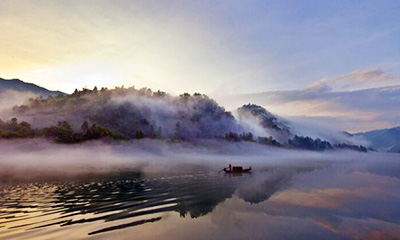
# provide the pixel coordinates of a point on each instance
(303, 41)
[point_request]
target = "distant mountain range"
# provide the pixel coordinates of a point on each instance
(387, 140)
(18, 85)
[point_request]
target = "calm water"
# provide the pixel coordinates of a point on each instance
(349, 200)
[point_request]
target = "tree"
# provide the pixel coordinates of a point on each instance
(139, 134)
(232, 137)
(178, 130)
(25, 130)
(159, 132)
(152, 131)
(13, 125)
(64, 132)
(85, 127)
(268, 141)
(247, 137)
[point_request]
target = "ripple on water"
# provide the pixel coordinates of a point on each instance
(50, 207)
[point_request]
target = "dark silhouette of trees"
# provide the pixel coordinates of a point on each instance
(309, 143)
(268, 141)
(13, 129)
(85, 127)
(159, 132)
(128, 113)
(231, 136)
(139, 134)
(178, 130)
(62, 133)
(352, 147)
(247, 137)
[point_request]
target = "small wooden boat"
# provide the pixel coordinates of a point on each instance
(237, 169)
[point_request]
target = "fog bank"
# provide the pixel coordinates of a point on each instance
(36, 159)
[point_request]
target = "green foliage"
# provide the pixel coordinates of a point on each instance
(13, 129)
(200, 116)
(129, 113)
(62, 133)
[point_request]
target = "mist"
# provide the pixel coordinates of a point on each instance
(37, 159)
(141, 113)
(188, 140)
(10, 98)
(314, 129)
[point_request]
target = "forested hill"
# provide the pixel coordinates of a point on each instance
(129, 113)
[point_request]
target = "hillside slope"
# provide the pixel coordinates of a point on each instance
(383, 139)
(18, 85)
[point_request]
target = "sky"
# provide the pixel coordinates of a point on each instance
(220, 48)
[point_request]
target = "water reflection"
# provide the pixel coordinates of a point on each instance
(126, 203)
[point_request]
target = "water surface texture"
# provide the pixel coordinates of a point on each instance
(331, 200)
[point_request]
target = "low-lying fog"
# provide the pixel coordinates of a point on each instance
(154, 189)
(23, 160)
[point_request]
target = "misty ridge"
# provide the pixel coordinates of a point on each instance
(125, 114)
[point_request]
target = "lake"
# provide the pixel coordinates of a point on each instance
(353, 199)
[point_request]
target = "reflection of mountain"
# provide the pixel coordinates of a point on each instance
(194, 195)
(18, 85)
(262, 187)
(383, 139)
(139, 200)
(336, 202)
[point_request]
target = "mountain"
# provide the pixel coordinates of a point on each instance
(127, 113)
(134, 113)
(18, 85)
(383, 139)
(258, 118)
(266, 119)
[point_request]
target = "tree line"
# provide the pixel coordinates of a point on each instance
(64, 133)
(60, 133)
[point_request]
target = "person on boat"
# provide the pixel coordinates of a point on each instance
(229, 168)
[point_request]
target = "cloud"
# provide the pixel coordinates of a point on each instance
(357, 80)
(358, 101)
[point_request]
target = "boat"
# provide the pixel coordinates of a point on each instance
(236, 169)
